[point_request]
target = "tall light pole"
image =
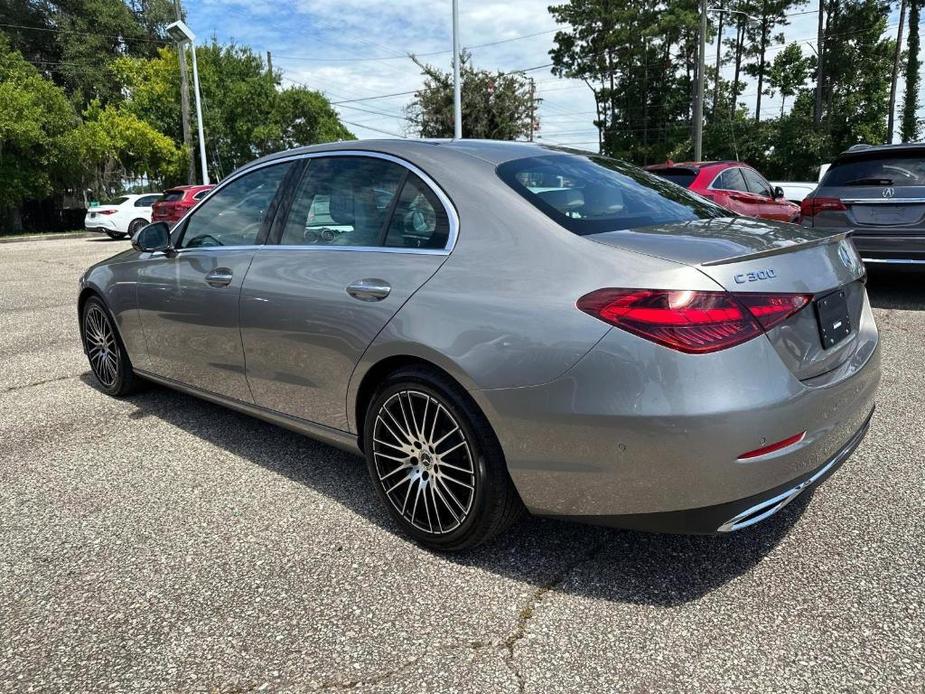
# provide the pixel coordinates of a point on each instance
(184, 103)
(178, 31)
(701, 65)
(457, 92)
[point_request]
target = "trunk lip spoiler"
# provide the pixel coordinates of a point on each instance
(835, 238)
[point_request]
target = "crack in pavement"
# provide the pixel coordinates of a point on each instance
(529, 610)
(13, 389)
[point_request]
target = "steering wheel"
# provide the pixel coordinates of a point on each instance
(204, 241)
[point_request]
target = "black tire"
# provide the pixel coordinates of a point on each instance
(115, 235)
(108, 359)
(471, 457)
(136, 225)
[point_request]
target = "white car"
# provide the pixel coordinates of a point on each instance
(794, 191)
(122, 216)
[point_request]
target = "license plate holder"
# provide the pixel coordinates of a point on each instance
(834, 321)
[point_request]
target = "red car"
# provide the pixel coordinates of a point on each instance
(732, 184)
(177, 202)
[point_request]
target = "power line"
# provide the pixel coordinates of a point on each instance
(120, 37)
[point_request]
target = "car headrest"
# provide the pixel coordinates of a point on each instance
(341, 206)
(562, 198)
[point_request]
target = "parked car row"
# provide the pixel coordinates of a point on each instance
(121, 217)
(876, 192)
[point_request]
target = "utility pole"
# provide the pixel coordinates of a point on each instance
(896, 59)
(820, 74)
(719, 56)
(457, 92)
(270, 64)
(532, 107)
(701, 63)
(184, 104)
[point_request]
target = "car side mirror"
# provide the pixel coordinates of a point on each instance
(777, 193)
(154, 237)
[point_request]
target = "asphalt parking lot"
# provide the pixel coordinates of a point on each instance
(163, 543)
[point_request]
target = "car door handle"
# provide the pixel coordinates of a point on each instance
(369, 289)
(219, 277)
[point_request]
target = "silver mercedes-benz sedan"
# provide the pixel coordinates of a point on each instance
(503, 327)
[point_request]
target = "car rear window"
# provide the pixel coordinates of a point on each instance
(683, 177)
(172, 196)
(873, 170)
(592, 194)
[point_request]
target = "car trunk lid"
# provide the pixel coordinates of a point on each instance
(755, 256)
(879, 206)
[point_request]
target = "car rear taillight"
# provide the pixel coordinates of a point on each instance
(695, 322)
(105, 211)
(809, 207)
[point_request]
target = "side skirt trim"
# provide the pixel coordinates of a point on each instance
(334, 437)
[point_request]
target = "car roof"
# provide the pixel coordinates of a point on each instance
(492, 152)
(695, 165)
(860, 151)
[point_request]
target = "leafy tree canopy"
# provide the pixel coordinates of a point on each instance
(495, 105)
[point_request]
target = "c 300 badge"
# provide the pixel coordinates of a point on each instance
(756, 276)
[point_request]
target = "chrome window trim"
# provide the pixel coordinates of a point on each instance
(448, 206)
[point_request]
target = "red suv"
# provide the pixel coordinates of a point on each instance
(177, 202)
(732, 184)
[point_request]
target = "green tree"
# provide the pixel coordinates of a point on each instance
(35, 117)
(495, 105)
(638, 58)
(111, 145)
(909, 124)
(246, 112)
(787, 73)
(771, 15)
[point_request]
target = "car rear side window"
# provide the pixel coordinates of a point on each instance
(683, 177)
(592, 194)
(872, 170)
(343, 201)
(147, 200)
(419, 219)
(730, 179)
(235, 215)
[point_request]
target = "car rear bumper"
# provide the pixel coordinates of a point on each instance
(732, 515)
(100, 224)
(887, 246)
(633, 432)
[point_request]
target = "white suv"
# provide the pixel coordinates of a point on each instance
(122, 216)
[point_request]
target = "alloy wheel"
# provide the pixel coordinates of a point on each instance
(424, 462)
(102, 348)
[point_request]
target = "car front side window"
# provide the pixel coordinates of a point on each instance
(235, 215)
(757, 184)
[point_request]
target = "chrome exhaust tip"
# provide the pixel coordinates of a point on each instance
(768, 507)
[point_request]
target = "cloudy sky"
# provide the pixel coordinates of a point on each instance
(355, 49)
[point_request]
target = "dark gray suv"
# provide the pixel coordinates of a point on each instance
(879, 192)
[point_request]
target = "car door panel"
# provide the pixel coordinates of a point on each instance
(188, 298)
(190, 325)
(303, 333)
(359, 236)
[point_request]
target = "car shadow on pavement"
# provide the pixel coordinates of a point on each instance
(896, 288)
(604, 563)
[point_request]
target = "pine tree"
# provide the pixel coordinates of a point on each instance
(909, 126)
